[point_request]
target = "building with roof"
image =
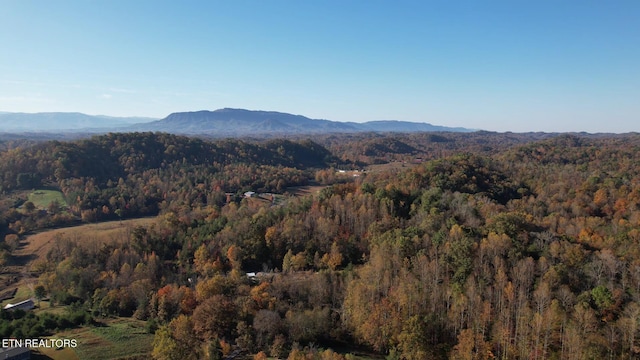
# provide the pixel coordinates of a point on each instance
(24, 305)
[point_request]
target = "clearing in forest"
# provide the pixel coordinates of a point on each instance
(305, 190)
(116, 338)
(42, 198)
(17, 274)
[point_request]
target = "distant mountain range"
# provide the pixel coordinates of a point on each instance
(222, 122)
(64, 122)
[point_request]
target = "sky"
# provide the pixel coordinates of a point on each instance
(516, 65)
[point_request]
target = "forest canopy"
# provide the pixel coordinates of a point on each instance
(418, 246)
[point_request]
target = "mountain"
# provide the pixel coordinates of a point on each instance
(241, 122)
(236, 122)
(223, 122)
(404, 126)
(64, 122)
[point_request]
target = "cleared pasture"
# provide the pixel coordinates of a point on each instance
(117, 338)
(42, 198)
(37, 246)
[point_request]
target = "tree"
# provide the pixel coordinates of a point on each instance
(29, 206)
(213, 350)
(118, 212)
(267, 325)
(54, 207)
(333, 259)
(165, 347)
(287, 261)
(471, 346)
(413, 339)
(602, 297)
(202, 261)
(215, 317)
(27, 180)
(39, 292)
(176, 341)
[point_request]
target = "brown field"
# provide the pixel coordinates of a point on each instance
(17, 274)
(39, 244)
(305, 190)
(56, 354)
(396, 166)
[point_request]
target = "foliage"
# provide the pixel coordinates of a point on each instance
(492, 251)
(21, 324)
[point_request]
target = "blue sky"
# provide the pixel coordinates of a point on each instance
(495, 65)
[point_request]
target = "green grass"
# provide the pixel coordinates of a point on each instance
(45, 307)
(120, 338)
(42, 198)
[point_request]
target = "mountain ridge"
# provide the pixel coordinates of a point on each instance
(221, 122)
(63, 122)
(229, 121)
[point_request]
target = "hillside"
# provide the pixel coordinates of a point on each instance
(473, 245)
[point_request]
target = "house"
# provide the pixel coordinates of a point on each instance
(15, 353)
(24, 305)
(249, 194)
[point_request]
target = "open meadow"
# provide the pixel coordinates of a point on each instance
(42, 198)
(115, 339)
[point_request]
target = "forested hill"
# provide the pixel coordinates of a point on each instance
(506, 248)
(137, 174)
(116, 155)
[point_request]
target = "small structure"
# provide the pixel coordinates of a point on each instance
(15, 353)
(249, 194)
(24, 305)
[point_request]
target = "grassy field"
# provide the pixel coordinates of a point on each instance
(118, 338)
(38, 245)
(395, 166)
(42, 198)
